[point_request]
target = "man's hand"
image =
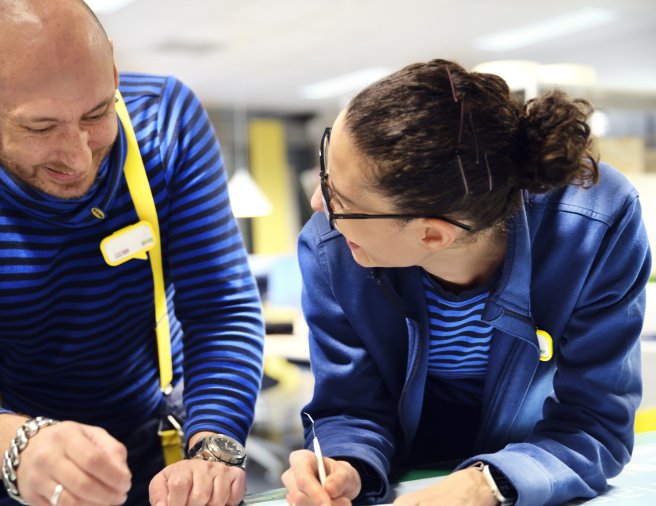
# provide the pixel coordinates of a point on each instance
(303, 487)
(466, 487)
(198, 482)
(90, 465)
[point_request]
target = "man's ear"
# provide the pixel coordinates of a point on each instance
(111, 46)
(437, 234)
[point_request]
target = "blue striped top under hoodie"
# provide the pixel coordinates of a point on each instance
(77, 336)
(459, 340)
(458, 355)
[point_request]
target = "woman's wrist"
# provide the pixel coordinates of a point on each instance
(501, 488)
(369, 481)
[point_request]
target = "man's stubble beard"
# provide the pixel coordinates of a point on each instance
(16, 170)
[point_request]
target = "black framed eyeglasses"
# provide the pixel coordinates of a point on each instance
(332, 216)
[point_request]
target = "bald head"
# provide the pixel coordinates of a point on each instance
(12, 11)
(49, 35)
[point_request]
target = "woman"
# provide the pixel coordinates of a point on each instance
(474, 292)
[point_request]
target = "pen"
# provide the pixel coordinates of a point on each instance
(317, 452)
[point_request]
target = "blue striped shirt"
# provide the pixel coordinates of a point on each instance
(459, 339)
(77, 336)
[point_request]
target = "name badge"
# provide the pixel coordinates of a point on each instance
(546, 345)
(133, 241)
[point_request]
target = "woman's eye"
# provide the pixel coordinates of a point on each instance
(334, 200)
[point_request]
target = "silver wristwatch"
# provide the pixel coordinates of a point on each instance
(219, 448)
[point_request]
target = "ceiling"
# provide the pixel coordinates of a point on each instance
(260, 53)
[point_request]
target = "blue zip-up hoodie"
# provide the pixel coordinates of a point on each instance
(576, 266)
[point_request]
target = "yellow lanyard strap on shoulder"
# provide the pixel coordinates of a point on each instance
(142, 196)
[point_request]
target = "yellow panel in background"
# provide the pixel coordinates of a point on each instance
(645, 420)
(277, 232)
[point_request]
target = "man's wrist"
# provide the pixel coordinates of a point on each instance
(9, 423)
(218, 448)
(11, 459)
(191, 442)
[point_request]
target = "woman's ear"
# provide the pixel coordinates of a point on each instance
(436, 234)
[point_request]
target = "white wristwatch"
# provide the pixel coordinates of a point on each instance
(496, 493)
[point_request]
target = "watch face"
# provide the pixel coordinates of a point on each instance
(227, 446)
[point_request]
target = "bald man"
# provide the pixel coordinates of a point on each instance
(77, 340)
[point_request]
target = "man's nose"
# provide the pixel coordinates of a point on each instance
(317, 199)
(75, 150)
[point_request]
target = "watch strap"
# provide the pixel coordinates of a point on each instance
(502, 489)
(193, 451)
(504, 485)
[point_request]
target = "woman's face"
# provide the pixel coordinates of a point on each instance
(373, 242)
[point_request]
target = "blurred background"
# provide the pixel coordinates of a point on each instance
(273, 74)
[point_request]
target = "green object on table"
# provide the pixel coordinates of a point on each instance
(419, 474)
(276, 494)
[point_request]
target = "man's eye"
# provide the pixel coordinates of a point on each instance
(39, 131)
(99, 116)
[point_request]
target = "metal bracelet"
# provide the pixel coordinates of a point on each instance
(11, 459)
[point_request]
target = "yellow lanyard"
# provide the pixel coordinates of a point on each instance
(142, 196)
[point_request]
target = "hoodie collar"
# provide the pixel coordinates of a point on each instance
(515, 282)
(509, 306)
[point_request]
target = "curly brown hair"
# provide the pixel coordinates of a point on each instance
(407, 127)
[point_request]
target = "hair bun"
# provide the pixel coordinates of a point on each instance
(556, 143)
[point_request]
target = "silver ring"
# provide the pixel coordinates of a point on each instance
(54, 498)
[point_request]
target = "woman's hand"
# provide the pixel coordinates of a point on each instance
(466, 487)
(304, 489)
